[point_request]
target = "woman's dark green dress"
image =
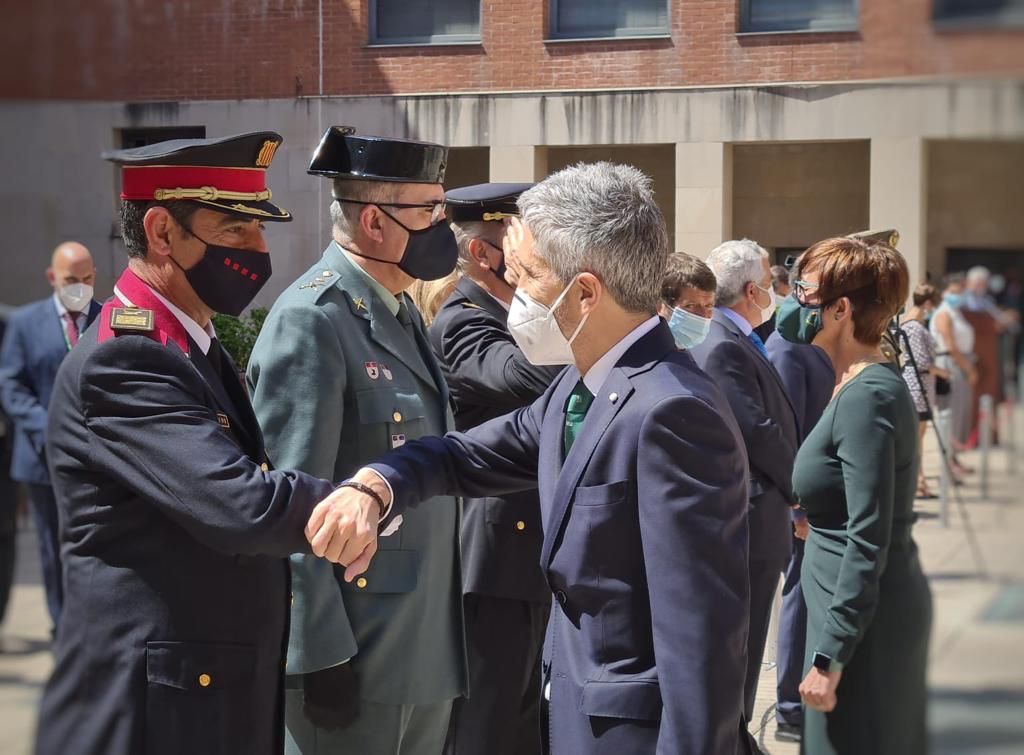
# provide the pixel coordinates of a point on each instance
(868, 603)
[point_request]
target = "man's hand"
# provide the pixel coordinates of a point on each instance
(818, 689)
(516, 242)
(343, 526)
(801, 528)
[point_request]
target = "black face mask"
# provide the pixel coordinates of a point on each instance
(430, 253)
(227, 279)
(502, 268)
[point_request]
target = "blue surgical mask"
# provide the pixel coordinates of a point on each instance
(688, 329)
(954, 300)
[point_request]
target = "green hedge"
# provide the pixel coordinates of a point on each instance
(238, 334)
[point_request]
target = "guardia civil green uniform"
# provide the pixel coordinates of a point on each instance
(341, 373)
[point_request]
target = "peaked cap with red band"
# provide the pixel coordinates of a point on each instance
(227, 174)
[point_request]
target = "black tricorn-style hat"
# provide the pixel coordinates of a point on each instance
(343, 154)
(226, 174)
(484, 202)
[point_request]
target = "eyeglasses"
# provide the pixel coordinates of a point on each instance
(803, 289)
(436, 208)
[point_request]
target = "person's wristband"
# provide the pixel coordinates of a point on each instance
(367, 490)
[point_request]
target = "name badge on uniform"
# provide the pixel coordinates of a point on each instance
(397, 440)
(131, 318)
(223, 421)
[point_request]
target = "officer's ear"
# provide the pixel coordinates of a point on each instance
(371, 221)
(159, 227)
(478, 253)
(591, 291)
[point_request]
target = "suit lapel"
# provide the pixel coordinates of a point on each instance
(201, 363)
(426, 352)
(756, 354)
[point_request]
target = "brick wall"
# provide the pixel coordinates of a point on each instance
(255, 49)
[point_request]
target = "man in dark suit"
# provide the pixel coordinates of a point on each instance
(808, 377)
(39, 336)
(641, 474)
(8, 502)
(174, 529)
(506, 599)
(736, 359)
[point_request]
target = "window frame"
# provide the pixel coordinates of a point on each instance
(744, 29)
(555, 36)
(442, 40)
(981, 21)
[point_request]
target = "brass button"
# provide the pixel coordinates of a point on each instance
(397, 416)
(265, 467)
(361, 583)
(520, 525)
(204, 680)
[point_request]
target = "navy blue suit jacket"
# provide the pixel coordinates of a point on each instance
(33, 348)
(770, 431)
(645, 543)
(807, 375)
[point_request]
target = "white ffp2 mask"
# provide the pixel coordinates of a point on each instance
(536, 332)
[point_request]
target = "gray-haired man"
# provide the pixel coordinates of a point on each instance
(641, 474)
(736, 359)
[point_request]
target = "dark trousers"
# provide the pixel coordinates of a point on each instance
(764, 581)
(8, 543)
(504, 642)
(44, 516)
(792, 636)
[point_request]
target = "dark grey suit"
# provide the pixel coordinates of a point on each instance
(807, 374)
(768, 423)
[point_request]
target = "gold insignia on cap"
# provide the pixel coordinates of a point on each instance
(266, 153)
(131, 318)
(499, 215)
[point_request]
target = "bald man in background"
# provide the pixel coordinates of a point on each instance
(38, 337)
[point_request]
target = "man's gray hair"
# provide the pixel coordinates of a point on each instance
(345, 215)
(601, 218)
(978, 273)
(735, 264)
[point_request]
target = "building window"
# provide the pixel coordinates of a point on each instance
(424, 22)
(979, 12)
(761, 16)
(598, 19)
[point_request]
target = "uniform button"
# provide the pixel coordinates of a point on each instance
(291, 598)
(561, 597)
(327, 273)
(520, 525)
(361, 583)
(204, 680)
(397, 416)
(265, 467)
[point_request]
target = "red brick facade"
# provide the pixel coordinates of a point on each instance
(172, 50)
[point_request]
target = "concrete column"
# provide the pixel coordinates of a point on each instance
(899, 197)
(518, 163)
(703, 196)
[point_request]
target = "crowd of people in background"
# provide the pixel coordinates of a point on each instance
(433, 352)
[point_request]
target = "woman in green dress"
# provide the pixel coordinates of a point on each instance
(868, 603)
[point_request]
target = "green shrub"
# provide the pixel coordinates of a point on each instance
(238, 334)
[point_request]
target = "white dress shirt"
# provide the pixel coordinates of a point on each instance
(81, 318)
(741, 322)
(602, 368)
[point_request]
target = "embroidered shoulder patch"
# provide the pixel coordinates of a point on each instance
(131, 318)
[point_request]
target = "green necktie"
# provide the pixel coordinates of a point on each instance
(575, 412)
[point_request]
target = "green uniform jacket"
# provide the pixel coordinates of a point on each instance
(337, 381)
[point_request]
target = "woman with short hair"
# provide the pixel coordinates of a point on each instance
(868, 603)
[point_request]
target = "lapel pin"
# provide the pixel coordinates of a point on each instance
(222, 420)
(613, 397)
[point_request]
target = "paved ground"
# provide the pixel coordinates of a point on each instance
(977, 656)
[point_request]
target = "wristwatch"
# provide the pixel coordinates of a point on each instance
(825, 663)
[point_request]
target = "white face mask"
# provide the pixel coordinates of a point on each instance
(767, 311)
(75, 297)
(536, 332)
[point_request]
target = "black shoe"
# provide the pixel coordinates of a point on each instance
(787, 732)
